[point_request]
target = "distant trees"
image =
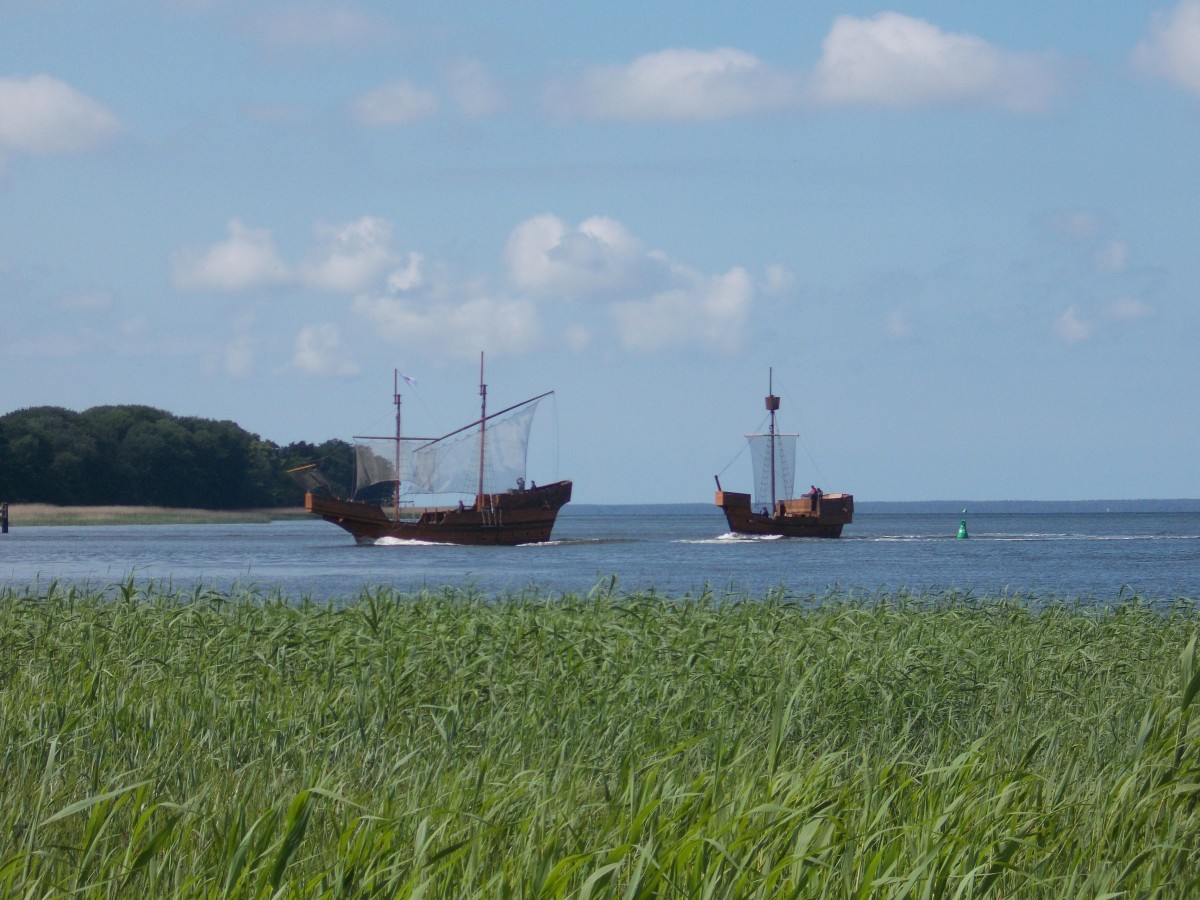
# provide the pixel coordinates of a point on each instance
(137, 455)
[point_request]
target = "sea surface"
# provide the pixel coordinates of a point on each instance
(672, 550)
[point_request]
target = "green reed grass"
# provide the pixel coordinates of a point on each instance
(167, 743)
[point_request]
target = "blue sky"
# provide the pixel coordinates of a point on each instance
(965, 236)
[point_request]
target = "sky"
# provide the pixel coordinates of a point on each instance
(963, 239)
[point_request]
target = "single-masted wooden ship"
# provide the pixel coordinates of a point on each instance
(485, 459)
(774, 511)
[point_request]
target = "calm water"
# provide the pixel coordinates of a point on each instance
(674, 550)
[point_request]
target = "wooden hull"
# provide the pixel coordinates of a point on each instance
(514, 517)
(804, 517)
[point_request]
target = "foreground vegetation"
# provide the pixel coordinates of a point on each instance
(158, 744)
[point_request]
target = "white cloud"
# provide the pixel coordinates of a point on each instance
(681, 85)
(85, 301)
(1113, 256)
(892, 60)
(352, 257)
(408, 278)
(1172, 48)
(483, 323)
(654, 301)
(246, 260)
(474, 89)
(777, 279)
(598, 258)
(1126, 309)
(1071, 328)
(710, 311)
(314, 26)
(397, 103)
(42, 115)
(1076, 224)
(319, 351)
(577, 338)
(239, 355)
(898, 326)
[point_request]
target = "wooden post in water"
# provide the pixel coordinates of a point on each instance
(4, 517)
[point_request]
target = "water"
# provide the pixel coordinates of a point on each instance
(674, 550)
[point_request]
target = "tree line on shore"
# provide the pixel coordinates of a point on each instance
(138, 455)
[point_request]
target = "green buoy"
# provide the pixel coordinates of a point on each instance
(962, 527)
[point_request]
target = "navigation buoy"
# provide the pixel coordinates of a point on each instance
(962, 527)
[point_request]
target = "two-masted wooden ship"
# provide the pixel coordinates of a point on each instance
(774, 510)
(485, 460)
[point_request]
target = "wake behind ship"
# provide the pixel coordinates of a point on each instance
(485, 459)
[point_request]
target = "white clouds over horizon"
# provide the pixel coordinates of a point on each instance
(318, 26)
(1172, 49)
(896, 61)
(246, 260)
(398, 102)
(42, 115)
(573, 279)
(347, 258)
(654, 302)
(679, 84)
(890, 61)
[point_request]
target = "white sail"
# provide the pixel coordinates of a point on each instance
(785, 467)
(448, 465)
(451, 464)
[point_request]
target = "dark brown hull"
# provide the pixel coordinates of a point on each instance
(805, 517)
(514, 517)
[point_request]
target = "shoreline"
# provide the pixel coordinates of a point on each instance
(41, 514)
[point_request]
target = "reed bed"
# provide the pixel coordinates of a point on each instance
(23, 514)
(159, 743)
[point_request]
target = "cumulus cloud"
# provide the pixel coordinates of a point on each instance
(474, 88)
(653, 301)
(709, 310)
(236, 358)
(317, 26)
(397, 103)
(681, 85)
(1126, 309)
(493, 324)
(777, 279)
(597, 258)
(1071, 328)
(350, 258)
(898, 326)
(42, 116)
(409, 277)
(1172, 48)
(246, 260)
(319, 351)
(347, 258)
(895, 61)
(1113, 256)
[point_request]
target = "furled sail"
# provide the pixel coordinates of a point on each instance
(785, 466)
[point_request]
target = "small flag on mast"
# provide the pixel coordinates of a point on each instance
(408, 380)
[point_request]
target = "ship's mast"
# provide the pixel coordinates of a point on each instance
(396, 400)
(482, 424)
(772, 405)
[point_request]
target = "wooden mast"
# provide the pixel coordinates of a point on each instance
(482, 425)
(396, 400)
(772, 405)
